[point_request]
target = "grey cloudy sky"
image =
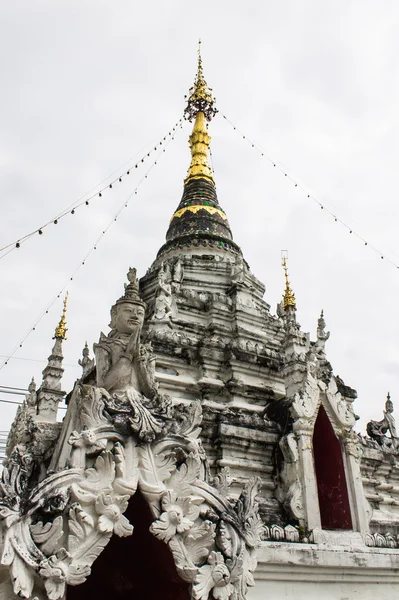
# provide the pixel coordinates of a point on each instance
(88, 84)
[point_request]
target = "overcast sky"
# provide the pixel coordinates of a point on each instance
(86, 85)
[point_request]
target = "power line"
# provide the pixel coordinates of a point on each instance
(8, 387)
(322, 205)
(36, 360)
(94, 247)
(71, 209)
(20, 403)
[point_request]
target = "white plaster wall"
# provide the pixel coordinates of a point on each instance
(350, 571)
(304, 590)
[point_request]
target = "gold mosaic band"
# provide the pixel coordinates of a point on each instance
(194, 209)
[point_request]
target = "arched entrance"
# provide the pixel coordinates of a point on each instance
(330, 475)
(138, 567)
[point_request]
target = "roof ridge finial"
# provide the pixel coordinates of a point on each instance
(61, 329)
(200, 98)
(289, 296)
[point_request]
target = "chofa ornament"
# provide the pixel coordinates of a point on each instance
(120, 435)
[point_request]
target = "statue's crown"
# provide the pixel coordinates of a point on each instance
(131, 294)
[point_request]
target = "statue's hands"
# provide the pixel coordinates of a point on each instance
(133, 345)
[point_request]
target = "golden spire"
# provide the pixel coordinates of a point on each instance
(199, 147)
(289, 296)
(60, 331)
(200, 105)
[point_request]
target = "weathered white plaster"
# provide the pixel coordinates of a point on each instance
(309, 571)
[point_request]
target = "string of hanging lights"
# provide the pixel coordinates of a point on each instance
(321, 205)
(72, 208)
(93, 247)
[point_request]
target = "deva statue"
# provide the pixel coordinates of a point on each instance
(126, 368)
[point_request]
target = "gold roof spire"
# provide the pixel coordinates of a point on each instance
(289, 296)
(199, 147)
(200, 105)
(60, 331)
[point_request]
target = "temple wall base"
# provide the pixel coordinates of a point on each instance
(311, 571)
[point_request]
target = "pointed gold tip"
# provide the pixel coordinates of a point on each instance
(200, 98)
(60, 331)
(289, 296)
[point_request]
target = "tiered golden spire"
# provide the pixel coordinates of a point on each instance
(201, 106)
(289, 296)
(199, 146)
(60, 331)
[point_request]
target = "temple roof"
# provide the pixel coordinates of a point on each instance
(199, 218)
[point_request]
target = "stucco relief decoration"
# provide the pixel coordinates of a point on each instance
(165, 305)
(310, 384)
(306, 399)
(119, 435)
(238, 270)
(312, 389)
(378, 430)
(342, 409)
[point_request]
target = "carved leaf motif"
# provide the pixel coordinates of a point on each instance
(92, 407)
(242, 575)
(250, 563)
(254, 530)
(216, 577)
(9, 515)
(180, 481)
(148, 466)
(204, 583)
(82, 496)
(222, 481)
(235, 566)
(165, 465)
(224, 538)
(191, 426)
(8, 551)
(122, 485)
(101, 476)
(80, 525)
(48, 535)
(246, 503)
(78, 574)
(92, 548)
(185, 566)
(22, 578)
(58, 570)
(199, 540)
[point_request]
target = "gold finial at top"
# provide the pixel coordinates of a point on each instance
(289, 296)
(200, 98)
(60, 331)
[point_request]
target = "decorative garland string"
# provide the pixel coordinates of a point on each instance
(310, 196)
(94, 247)
(85, 200)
